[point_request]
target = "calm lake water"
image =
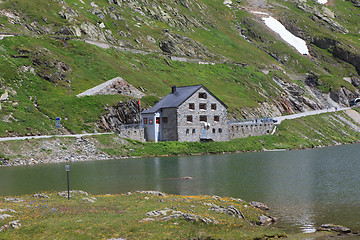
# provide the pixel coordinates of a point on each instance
(304, 188)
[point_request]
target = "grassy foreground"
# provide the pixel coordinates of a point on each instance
(125, 216)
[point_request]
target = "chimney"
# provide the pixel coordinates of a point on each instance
(173, 89)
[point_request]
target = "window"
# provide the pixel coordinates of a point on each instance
(214, 130)
(145, 120)
(150, 121)
(203, 118)
(216, 118)
(189, 118)
(202, 95)
(202, 106)
(192, 106)
(193, 131)
(220, 130)
(187, 131)
(165, 120)
(157, 120)
(213, 106)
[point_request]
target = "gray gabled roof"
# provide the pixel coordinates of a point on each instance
(173, 100)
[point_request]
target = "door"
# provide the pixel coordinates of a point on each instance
(204, 133)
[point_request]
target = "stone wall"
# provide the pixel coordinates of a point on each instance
(197, 129)
(246, 129)
(168, 125)
(132, 131)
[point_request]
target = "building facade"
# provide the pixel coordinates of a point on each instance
(190, 114)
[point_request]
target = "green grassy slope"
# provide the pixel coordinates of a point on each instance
(34, 102)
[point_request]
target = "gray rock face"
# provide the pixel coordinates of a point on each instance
(92, 31)
(342, 96)
(295, 99)
(339, 50)
(179, 45)
(68, 13)
(120, 114)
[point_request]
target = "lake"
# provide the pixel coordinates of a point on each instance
(304, 188)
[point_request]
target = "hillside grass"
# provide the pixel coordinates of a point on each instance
(240, 83)
(244, 86)
(123, 216)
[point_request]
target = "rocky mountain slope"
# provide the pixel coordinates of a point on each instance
(50, 51)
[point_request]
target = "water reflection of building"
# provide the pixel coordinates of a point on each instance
(290, 191)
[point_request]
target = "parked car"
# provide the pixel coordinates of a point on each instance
(268, 120)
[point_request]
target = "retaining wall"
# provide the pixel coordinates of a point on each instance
(246, 129)
(132, 131)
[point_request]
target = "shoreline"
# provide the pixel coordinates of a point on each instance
(86, 148)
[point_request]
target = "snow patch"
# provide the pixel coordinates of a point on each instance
(260, 13)
(227, 2)
(2, 36)
(298, 43)
(322, 1)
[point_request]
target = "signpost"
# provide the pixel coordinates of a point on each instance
(57, 124)
(67, 168)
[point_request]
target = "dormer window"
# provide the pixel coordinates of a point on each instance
(202, 95)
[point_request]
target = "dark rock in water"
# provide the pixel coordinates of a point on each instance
(334, 228)
(259, 205)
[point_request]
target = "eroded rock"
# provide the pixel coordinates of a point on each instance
(72, 193)
(232, 211)
(41, 195)
(14, 200)
(155, 193)
(259, 205)
(266, 220)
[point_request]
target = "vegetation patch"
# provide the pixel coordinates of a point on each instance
(137, 215)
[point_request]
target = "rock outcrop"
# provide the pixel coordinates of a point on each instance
(179, 45)
(114, 86)
(120, 114)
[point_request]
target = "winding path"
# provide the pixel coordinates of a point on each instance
(50, 136)
(304, 114)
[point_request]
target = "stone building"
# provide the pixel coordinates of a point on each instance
(187, 114)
